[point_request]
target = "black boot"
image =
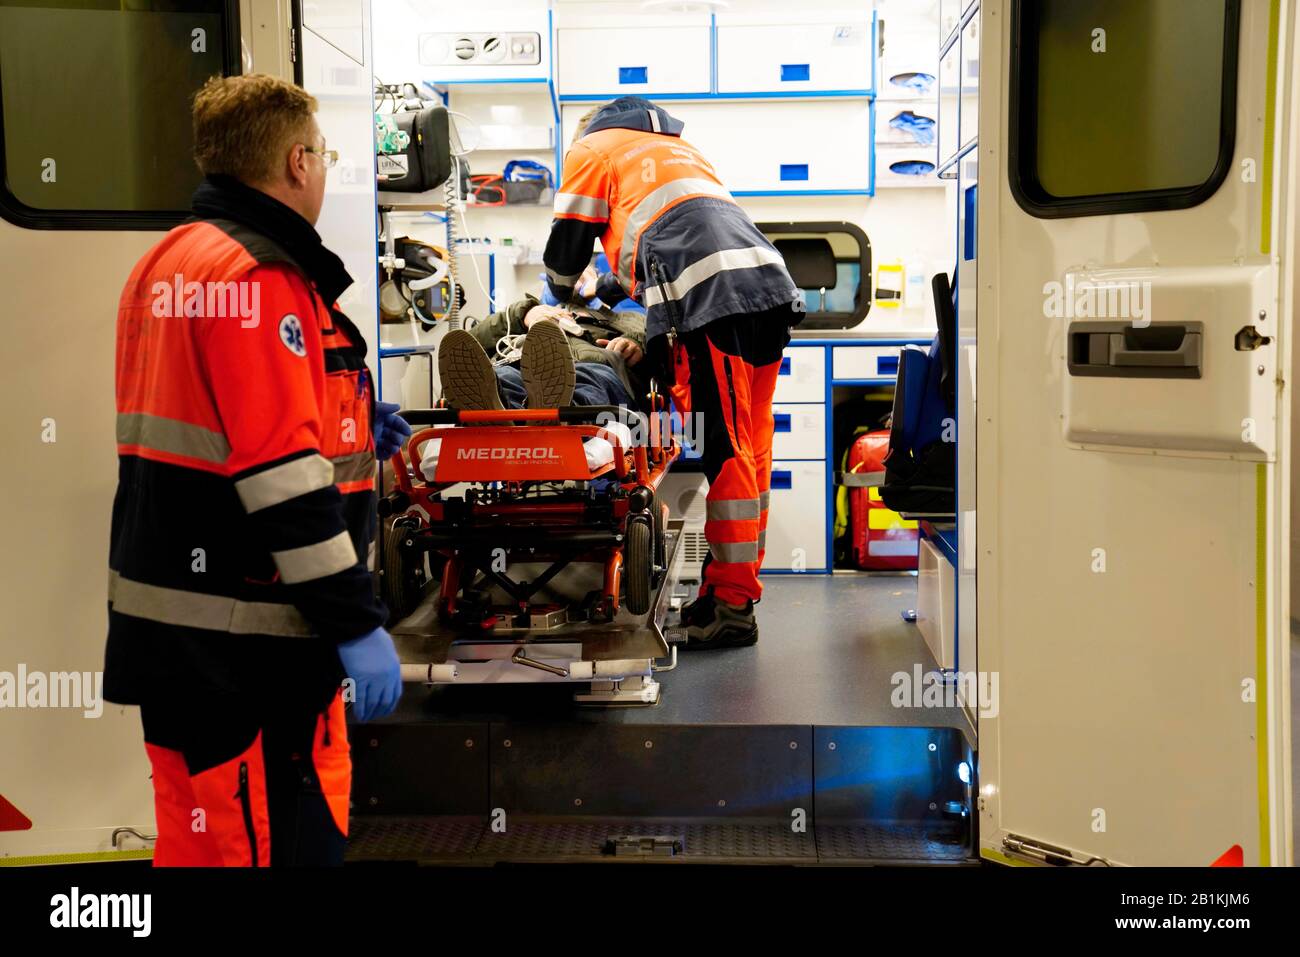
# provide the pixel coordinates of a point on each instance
(712, 623)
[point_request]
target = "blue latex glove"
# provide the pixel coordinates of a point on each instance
(391, 430)
(920, 128)
(548, 297)
(371, 662)
(916, 82)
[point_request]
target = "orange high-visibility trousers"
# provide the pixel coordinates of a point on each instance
(238, 791)
(734, 363)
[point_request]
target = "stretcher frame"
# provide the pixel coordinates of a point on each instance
(511, 509)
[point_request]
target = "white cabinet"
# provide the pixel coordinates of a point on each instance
(800, 431)
(801, 506)
(970, 80)
(912, 124)
(802, 377)
(905, 166)
(797, 518)
(785, 146)
(950, 14)
(949, 96)
(616, 61)
(792, 57)
(852, 363)
(935, 600)
(909, 65)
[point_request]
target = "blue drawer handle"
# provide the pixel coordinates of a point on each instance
(887, 365)
(782, 479)
(794, 171)
(782, 421)
(785, 366)
(968, 240)
(633, 74)
(794, 72)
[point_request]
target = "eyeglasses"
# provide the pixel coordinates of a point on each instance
(328, 157)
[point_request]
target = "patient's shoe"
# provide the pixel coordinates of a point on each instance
(547, 366)
(468, 380)
(712, 623)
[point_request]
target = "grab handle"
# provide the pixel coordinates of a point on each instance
(1159, 350)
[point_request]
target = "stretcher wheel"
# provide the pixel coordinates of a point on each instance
(638, 566)
(660, 526)
(403, 576)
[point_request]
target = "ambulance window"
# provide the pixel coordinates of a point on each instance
(95, 107)
(830, 262)
(1119, 106)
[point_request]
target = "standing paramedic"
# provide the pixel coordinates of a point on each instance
(719, 307)
(239, 599)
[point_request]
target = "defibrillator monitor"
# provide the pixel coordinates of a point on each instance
(425, 163)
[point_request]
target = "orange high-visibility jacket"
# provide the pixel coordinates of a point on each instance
(676, 240)
(244, 507)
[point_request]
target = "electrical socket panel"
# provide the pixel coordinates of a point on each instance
(480, 49)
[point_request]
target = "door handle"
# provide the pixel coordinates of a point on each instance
(1248, 339)
(1161, 350)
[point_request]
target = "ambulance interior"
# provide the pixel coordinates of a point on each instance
(610, 727)
(1126, 696)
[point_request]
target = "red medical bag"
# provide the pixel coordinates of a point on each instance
(879, 539)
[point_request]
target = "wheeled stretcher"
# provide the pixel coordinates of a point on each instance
(531, 545)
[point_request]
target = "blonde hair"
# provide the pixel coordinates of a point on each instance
(583, 121)
(244, 124)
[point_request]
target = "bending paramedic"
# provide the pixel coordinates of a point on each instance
(719, 307)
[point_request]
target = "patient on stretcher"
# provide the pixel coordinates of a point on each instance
(536, 356)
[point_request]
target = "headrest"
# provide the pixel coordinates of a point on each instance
(945, 316)
(810, 261)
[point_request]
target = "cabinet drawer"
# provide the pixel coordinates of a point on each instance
(950, 14)
(970, 80)
(796, 518)
(800, 431)
(909, 65)
(790, 56)
(864, 362)
(783, 146)
(803, 375)
(936, 594)
(905, 166)
(911, 124)
(613, 61)
(949, 138)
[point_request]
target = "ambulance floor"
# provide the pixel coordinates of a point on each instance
(833, 650)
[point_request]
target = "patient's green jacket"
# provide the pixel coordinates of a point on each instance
(603, 323)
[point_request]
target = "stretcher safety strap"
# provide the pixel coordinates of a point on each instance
(283, 482)
(650, 207)
(310, 562)
(708, 267)
(173, 436)
(187, 609)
